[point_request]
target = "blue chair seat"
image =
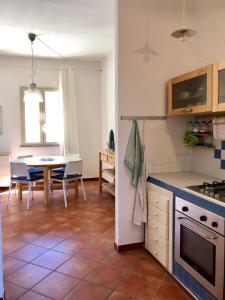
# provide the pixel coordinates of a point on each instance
(61, 176)
(59, 170)
(35, 171)
(24, 178)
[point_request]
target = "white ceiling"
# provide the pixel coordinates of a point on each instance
(73, 28)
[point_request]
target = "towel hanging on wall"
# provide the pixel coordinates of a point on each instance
(135, 162)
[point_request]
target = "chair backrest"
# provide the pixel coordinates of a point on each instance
(24, 156)
(18, 169)
(73, 167)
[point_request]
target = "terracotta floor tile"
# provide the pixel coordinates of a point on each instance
(48, 241)
(94, 253)
(13, 291)
(56, 285)
(33, 296)
(171, 291)
(11, 245)
(88, 291)
(77, 267)
(51, 259)
(28, 276)
(139, 286)
(70, 246)
(120, 260)
(119, 296)
(28, 252)
(10, 265)
(106, 276)
(149, 266)
(28, 237)
(84, 236)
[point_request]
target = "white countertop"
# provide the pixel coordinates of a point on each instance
(181, 180)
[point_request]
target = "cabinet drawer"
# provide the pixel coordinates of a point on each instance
(155, 226)
(111, 160)
(158, 214)
(157, 253)
(158, 241)
(158, 200)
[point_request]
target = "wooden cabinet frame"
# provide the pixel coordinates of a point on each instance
(199, 109)
(216, 106)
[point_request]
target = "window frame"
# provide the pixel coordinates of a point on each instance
(43, 142)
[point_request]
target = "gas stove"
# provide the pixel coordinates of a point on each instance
(214, 190)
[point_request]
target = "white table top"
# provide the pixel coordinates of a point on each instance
(39, 161)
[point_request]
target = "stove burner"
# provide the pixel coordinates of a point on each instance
(215, 190)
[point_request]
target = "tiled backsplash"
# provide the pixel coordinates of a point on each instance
(219, 153)
(168, 163)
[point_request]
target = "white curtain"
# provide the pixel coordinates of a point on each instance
(67, 91)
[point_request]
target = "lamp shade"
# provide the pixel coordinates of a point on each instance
(33, 94)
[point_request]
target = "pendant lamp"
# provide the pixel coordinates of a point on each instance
(183, 33)
(32, 93)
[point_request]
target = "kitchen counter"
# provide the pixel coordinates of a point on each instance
(180, 180)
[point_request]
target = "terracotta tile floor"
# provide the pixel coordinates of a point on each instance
(60, 253)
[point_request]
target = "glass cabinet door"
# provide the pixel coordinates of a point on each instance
(219, 87)
(191, 92)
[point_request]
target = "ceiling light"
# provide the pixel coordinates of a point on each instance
(32, 93)
(183, 33)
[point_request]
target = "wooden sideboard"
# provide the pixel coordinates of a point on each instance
(107, 168)
(4, 169)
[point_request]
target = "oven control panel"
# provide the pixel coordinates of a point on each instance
(201, 215)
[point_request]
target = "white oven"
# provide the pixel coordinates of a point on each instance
(199, 245)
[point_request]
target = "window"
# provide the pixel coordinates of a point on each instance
(41, 121)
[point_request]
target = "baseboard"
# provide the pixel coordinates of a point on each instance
(91, 179)
(127, 247)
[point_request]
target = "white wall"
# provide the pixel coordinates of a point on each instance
(15, 72)
(108, 97)
(141, 90)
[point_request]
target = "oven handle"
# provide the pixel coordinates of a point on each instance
(209, 237)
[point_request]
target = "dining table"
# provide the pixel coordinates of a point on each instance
(47, 164)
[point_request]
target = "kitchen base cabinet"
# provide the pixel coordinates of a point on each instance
(158, 230)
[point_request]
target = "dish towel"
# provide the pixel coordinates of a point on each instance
(133, 158)
(134, 161)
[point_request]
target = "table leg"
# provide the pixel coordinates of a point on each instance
(20, 195)
(46, 186)
(100, 173)
(76, 189)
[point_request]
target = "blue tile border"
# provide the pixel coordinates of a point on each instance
(222, 164)
(217, 153)
(223, 145)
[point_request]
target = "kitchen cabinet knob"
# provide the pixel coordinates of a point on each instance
(156, 253)
(156, 201)
(156, 215)
(156, 241)
(155, 227)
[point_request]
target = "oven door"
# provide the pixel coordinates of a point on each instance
(200, 251)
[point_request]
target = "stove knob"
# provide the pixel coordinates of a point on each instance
(203, 218)
(184, 208)
(206, 192)
(214, 224)
(202, 191)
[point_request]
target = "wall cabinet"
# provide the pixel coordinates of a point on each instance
(158, 230)
(191, 93)
(219, 87)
